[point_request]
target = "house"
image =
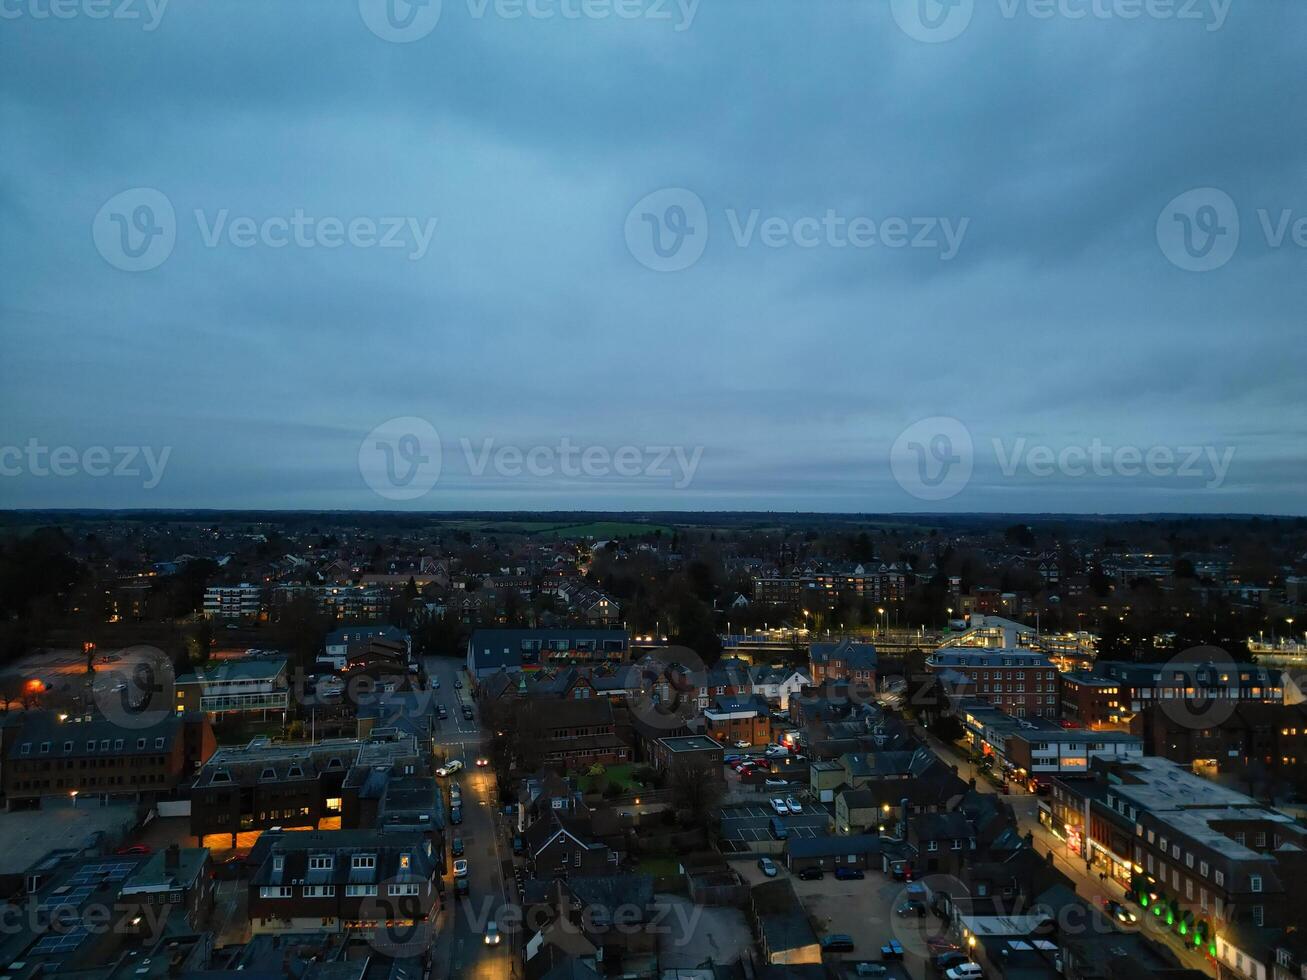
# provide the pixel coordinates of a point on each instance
(846, 660)
(697, 753)
(778, 684)
(942, 841)
(175, 880)
(490, 651)
(739, 719)
(562, 843)
(856, 811)
(342, 642)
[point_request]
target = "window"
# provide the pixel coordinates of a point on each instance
(26, 749)
(1255, 884)
(1202, 868)
(932, 845)
(404, 888)
(319, 891)
(278, 863)
(357, 891)
(158, 743)
(320, 862)
(140, 743)
(364, 861)
(276, 891)
(68, 746)
(1257, 915)
(1189, 859)
(1220, 878)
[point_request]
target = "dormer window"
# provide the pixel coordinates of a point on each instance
(26, 749)
(404, 861)
(364, 861)
(90, 746)
(295, 772)
(140, 743)
(278, 863)
(68, 746)
(268, 774)
(45, 747)
(320, 862)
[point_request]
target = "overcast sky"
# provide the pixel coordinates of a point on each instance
(764, 254)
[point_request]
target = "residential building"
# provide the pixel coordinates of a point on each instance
(333, 880)
(175, 881)
(846, 660)
(1264, 742)
(570, 734)
(1090, 701)
(234, 603)
(697, 753)
(739, 719)
(1144, 684)
(1021, 682)
(342, 642)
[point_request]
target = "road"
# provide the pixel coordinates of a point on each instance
(459, 948)
(1088, 885)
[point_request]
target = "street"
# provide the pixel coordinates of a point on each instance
(460, 948)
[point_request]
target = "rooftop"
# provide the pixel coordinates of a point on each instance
(690, 743)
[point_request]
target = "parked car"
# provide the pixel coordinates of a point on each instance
(450, 767)
(460, 868)
(742, 744)
(779, 806)
(731, 759)
(849, 874)
(517, 845)
(458, 684)
(946, 961)
(892, 950)
(837, 942)
(456, 815)
(965, 971)
(436, 685)
(867, 968)
(812, 874)
(768, 867)
(461, 886)
(779, 830)
(912, 908)
(772, 783)
(793, 805)
(441, 712)
(467, 712)
(901, 872)
(774, 751)
(457, 847)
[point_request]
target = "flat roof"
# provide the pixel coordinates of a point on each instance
(26, 836)
(690, 743)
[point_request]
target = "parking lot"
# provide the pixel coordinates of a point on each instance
(863, 909)
(747, 824)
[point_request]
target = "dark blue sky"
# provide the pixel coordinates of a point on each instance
(817, 255)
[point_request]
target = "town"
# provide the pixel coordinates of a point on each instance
(671, 747)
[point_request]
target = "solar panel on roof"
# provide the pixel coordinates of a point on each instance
(65, 943)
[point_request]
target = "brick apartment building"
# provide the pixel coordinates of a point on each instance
(1089, 701)
(1021, 682)
(846, 660)
(743, 719)
(43, 756)
(1244, 738)
(571, 734)
(490, 651)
